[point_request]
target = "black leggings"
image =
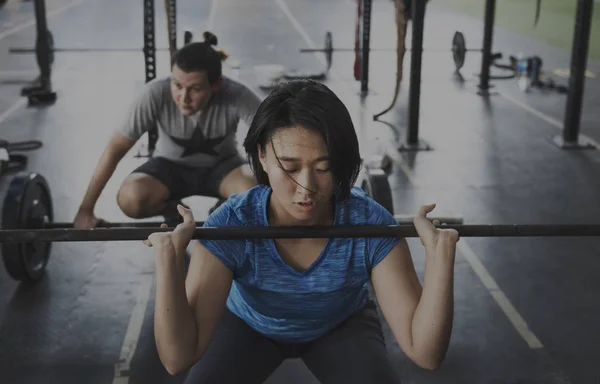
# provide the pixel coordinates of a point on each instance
(354, 352)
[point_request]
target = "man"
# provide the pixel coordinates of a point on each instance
(196, 111)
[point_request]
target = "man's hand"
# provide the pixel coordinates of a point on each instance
(85, 220)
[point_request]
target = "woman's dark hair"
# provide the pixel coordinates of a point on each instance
(201, 56)
(311, 105)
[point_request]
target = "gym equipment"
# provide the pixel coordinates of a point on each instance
(28, 228)
(28, 204)
(401, 219)
(12, 162)
(81, 49)
(40, 90)
(28, 215)
(459, 49)
(376, 185)
(36, 236)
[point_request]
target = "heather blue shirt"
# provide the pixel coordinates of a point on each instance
(280, 302)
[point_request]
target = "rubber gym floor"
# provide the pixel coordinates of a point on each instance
(526, 309)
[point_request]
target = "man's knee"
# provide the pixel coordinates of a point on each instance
(238, 180)
(139, 196)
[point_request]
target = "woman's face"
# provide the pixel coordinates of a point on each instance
(297, 164)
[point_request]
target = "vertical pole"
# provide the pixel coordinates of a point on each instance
(150, 59)
(579, 54)
(172, 15)
(44, 44)
(486, 57)
(414, 92)
(40, 90)
(366, 45)
(149, 40)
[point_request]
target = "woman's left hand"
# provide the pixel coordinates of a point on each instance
(434, 239)
(179, 238)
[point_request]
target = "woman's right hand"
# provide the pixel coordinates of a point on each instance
(179, 238)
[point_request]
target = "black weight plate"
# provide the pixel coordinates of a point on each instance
(376, 185)
(328, 48)
(459, 49)
(27, 205)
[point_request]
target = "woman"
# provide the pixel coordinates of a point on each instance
(246, 305)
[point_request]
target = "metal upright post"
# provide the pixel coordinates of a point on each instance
(579, 56)
(150, 63)
(414, 92)
(40, 90)
(486, 57)
(172, 14)
(366, 45)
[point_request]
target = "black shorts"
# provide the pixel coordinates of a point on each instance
(183, 181)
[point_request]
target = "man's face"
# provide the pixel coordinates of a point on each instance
(191, 91)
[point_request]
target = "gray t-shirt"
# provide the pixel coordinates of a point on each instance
(199, 140)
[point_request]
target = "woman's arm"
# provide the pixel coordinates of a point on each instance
(187, 312)
(419, 317)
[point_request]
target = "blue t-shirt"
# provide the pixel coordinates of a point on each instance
(280, 302)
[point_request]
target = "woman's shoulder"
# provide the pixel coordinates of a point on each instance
(362, 209)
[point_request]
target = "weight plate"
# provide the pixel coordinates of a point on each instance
(328, 48)
(376, 185)
(27, 205)
(459, 49)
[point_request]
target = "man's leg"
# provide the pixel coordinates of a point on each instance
(354, 352)
(151, 189)
(236, 354)
(237, 180)
(232, 175)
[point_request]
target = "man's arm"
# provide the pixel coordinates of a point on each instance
(420, 317)
(142, 115)
(247, 103)
(116, 149)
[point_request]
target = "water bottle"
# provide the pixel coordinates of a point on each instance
(523, 79)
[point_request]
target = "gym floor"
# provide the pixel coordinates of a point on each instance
(526, 309)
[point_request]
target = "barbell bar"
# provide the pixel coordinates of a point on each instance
(297, 232)
(458, 49)
(187, 38)
(80, 49)
(400, 219)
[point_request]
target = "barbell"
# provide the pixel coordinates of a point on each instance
(28, 230)
(28, 227)
(459, 49)
(51, 49)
